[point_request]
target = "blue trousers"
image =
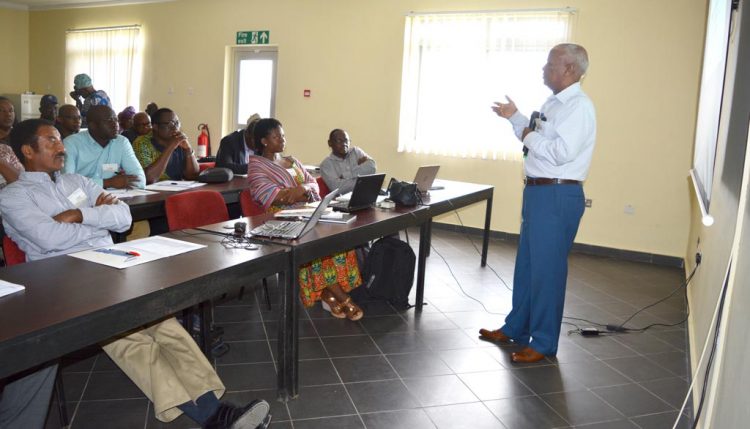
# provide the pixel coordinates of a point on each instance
(550, 218)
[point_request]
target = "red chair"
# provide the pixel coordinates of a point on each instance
(206, 165)
(195, 208)
(249, 206)
(322, 187)
(14, 256)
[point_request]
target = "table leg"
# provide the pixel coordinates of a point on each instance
(486, 238)
(288, 349)
(424, 231)
(429, 235)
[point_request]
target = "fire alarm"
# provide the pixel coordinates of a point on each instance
(306, 93)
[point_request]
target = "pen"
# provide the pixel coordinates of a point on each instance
(128, 253)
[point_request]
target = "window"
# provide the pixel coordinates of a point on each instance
(112, 57)
(457, 64)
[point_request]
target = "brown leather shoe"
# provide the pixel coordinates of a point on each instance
(496, 336)
(527, 355)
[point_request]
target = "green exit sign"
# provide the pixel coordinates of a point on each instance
(253, 37)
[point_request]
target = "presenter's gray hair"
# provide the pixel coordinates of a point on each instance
(576, 55)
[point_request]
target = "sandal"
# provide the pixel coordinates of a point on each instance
(331, 304)
(353, 312)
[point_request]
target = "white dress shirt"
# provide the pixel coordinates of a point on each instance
(561, 146)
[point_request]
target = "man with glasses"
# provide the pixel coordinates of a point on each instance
(68, 121)
(141, 126)
(103, 155)
(165, 153)
(341, 168)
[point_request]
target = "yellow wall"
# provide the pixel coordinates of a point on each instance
(644, 79)
(14, 48)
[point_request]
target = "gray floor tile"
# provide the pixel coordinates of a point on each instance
(474, 416)
(369, 368)
(547, 379)
(528, 412)
(342, 422)
(594, 374)
(248, 376)
(357, 345)
(638, 368)
(494, 385)
(376, 396)
(400, 342)
(114, 414)
(418, 364)
(671, 390)
(661, 421)
(632, 400)
(472, 360)
(581, 407)
(439, 390)
(321, 401)
(412, 419)
(316, 372)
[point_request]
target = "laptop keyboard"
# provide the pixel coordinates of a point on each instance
(276, 228)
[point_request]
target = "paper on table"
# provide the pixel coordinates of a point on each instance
(7, 288)
(129, 193)
(148, 249)
(173, 185)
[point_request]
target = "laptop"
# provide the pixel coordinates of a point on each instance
(365, 193)
(425, 176)
(293, 229)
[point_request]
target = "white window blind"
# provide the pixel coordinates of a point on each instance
(456, 64)
(112, 57)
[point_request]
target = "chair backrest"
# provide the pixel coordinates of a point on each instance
(195, 208)
(322, 187)
(206, 165)
(248, 205)
(13, 254)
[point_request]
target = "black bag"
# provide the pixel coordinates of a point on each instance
(389, 272)
(403, 193)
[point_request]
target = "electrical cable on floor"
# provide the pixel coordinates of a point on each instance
(459, 284)
(466, 234)
(621, 329)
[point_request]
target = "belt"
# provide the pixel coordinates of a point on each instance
(533, 181)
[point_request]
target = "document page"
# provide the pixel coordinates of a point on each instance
(131, 253)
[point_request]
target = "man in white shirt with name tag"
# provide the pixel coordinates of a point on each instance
(47, 214)
(559, 143)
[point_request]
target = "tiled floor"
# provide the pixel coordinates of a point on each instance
(429, 370)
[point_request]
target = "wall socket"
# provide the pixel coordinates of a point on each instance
(587, 202)
(629, 209)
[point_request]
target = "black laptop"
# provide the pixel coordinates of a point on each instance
(365, 193)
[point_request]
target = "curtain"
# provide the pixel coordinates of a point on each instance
(456, 65)
(111, 56)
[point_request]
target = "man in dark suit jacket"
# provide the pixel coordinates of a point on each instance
(236, 147)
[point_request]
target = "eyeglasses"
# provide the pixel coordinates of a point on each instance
(171, 124)
(75, 118)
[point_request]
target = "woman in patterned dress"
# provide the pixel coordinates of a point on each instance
(278, 182)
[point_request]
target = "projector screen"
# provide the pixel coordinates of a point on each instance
(712, 89)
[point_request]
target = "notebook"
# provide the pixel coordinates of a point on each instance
(365, 193)
(425, 176)
(293, 229)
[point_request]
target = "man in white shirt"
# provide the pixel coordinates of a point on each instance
(559, 145)
(341, 168)
(48, 214)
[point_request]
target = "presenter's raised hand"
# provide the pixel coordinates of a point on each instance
(505, 110)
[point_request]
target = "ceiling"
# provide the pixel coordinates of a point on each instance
(67, 4)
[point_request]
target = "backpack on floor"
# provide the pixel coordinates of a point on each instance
(389, 272)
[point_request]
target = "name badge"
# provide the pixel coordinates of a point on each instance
(77, 198)
(110, 168)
